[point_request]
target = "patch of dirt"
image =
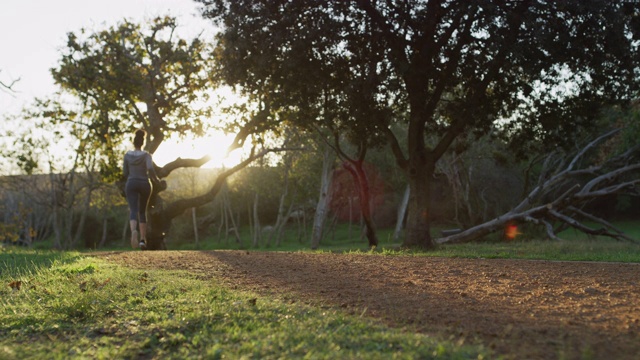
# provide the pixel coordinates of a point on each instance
(519, 309)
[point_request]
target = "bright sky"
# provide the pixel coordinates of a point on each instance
(33, 31)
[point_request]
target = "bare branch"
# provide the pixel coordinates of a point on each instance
(589, 146)
(610, 190)
(549, 228)
(401, 160)
(600, 221)
(578, 225)
(178, 207)
(609, 177)
(181, 163)
(564, 196)
(561, 175)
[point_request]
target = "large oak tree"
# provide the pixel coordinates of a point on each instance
(535, 69)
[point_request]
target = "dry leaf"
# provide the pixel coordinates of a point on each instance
(15, 285)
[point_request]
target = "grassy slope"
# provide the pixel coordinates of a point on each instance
(72, 306)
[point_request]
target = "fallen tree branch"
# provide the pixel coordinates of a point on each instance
(610, 176)
(578, 225)
(600, 221)
(603, 179)
(590, 146)
(549, 228)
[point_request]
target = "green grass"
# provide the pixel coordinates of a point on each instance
(70, 305)
(73, 306)
(566, 250)
(575, 246)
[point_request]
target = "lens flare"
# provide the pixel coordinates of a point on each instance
(511, 231)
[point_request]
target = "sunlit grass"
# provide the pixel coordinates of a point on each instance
(71, 306)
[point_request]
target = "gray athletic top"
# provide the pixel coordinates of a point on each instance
(138, 165)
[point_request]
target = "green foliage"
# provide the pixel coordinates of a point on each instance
(116, 312)
(356, 69)
(133, 76)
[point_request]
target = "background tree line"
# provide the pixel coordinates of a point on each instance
(463, 108)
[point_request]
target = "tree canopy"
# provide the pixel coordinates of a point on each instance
(136, 76)
(128, 77)
(533, 70)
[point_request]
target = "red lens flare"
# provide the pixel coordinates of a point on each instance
(511, 231)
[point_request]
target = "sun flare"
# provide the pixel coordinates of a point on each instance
(214, 145)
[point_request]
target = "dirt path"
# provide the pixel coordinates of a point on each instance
(522, 309)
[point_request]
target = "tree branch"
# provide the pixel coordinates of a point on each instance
(397, 43)
(178, 207)
(401, 160)
(600, 221)
(586, 190)
(578, 225)
(549, 228)
(181, 163)
(589, 146)
(8, 87)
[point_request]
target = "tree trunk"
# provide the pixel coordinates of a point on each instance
(125, 229)
(350, 216)
(234, 227)
(105, 227)
(323, 201)
(257, 229)
(57, 239)
(419, 217)
(361, 181)
(83, 218)
(281, 224)
(195, 224)
(302, 227)
(402, 212)
(223, 222)
(283, 215)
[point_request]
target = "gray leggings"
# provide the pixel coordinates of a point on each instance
(138, 192)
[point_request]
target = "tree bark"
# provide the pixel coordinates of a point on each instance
(105, 227)
(355, 168)
(418, 228)
(323, 200)
(257, 229)
(194, 218)
(402, 212)
(283, 215)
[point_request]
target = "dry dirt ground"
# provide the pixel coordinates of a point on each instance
(520, 309)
